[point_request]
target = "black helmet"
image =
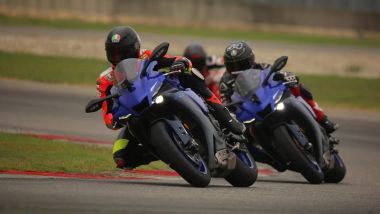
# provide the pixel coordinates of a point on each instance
(238, 56)
(197, 55)
(122, 43)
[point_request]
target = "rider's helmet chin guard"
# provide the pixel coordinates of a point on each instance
(238, 56)
(122, 43)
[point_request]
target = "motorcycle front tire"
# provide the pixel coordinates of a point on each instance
(298, 159)
(171, 154)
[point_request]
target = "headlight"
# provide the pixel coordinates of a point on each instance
(159, 99)
(280, 106)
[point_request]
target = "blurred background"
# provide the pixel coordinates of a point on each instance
(357, 18)
(331, 42)
(332, 22)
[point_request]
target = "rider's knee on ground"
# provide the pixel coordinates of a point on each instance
(120, 158)
(132, 156)
(119, 152)
(125, 161)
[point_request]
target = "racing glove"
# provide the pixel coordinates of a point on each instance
(286, 77)
(182, 64)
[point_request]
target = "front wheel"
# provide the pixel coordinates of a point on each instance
(296, 156)
(190, 166)
(245, 172)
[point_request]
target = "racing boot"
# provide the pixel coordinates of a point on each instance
(329, 126)
(225, 119)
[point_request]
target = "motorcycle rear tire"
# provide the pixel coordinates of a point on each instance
(243, 175)
(337, 173)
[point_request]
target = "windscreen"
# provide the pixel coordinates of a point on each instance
(128, 70)
(247, 82)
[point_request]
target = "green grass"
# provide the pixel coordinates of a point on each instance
(202, 32)
(20, 152)
(335, 91)
(348, 92)
(50, 69)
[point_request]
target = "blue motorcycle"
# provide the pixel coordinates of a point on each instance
(175, 124)
(285, 126)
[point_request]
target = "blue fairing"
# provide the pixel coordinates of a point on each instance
(143, 89)
(264, 96)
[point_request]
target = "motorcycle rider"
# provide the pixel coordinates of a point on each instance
(238, 56)
(122, 43)
(210, 66)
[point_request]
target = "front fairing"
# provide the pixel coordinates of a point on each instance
(135, 99)
(137, 91)
(140, 97)
(259, 100)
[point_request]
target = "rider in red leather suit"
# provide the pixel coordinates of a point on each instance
(123, 43)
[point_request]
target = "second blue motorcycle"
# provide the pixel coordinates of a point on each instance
(285, 126)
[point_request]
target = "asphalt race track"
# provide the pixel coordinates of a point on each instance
(59, 110)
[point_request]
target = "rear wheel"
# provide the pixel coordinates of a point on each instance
(189, 164)
(298, 158)
(337, 173)
(245, 172)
